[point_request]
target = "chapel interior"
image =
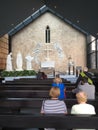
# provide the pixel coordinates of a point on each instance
(57, 37)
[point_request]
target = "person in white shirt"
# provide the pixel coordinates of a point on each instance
(82, 107)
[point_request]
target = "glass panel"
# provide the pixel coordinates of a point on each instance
(97, 59)
(93, 60)
(97, 44)
(93, 46)
(89, 48)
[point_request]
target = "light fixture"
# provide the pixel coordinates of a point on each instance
(55, 6)
(78, 21)
(12, 24)
(33, 9)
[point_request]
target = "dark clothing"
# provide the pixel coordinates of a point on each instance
(41, 75)
(88, 74)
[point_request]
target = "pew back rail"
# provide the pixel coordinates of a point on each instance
(48, 121)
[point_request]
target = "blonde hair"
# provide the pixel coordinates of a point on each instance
(57, 80)
(81, 97)
(54, 92)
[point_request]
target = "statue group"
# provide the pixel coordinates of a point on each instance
(19, 62)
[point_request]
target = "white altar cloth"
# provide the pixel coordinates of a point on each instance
(48, 64)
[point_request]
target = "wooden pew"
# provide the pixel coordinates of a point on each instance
(24, 87)
(13, 101)
(30, 87)
(48, 121)
(24, 93)
(15, 93)
(10, 104)
(34, 81)
(19, 90)
(29, 94)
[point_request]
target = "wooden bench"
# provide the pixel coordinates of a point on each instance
(13, 116)
(29, 94)
(9, 104)
(29, 90)
(24, 93)
(40, 82)
(34, 81)
(48, 121)
(31, 87)
(13, 102)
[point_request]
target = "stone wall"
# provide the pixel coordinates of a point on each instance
(3, 51)
(65, 41)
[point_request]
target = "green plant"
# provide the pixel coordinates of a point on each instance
(18, 73)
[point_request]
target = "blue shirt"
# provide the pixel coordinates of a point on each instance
(61, 87)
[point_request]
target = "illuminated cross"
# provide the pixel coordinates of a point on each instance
(48, 48)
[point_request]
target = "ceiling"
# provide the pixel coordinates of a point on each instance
(83, 13)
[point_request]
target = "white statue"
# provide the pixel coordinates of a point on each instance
(9, 62)
(29, 62)
(19, 62)
(70, 61)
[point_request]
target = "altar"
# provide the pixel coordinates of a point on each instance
(48, 64)
(48, 67)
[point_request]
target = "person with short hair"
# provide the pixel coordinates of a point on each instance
(82, 107)
(53, 105)
(86, 87)
(58, 83)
